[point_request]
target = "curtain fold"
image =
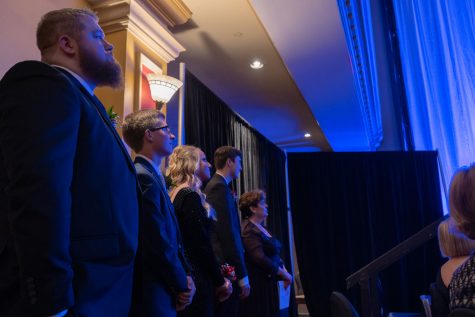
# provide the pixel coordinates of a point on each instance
(437, 47)
(350, 208)
(209, 124)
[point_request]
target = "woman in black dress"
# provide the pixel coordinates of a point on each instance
(187, 168)
(262, 255)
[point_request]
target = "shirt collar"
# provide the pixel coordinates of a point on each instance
(89, 89)
(225, 178)
(155, 166)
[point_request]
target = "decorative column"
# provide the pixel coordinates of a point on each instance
(142, 44)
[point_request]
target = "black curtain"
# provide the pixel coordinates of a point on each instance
(210, 123)
(349, 208)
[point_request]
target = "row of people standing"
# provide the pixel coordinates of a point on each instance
(206, 230)
(84, 231)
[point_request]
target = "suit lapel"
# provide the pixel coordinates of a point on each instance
(159, 182)
(102, 112)
(233, 210)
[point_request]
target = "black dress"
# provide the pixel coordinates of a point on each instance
(262, 255)
(440, 297)
(196, 228)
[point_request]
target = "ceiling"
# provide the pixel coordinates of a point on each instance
(306, 84)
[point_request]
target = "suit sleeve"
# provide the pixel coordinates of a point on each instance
(253, 245)
(227, 234)
(160, 253)
(39, 122)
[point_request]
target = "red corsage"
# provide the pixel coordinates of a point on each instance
(228, 272)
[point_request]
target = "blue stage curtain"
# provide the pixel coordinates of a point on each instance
(356, 17)
(437, 48)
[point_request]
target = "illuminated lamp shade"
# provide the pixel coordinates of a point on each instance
(163, 87)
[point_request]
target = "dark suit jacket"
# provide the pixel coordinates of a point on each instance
(161, 259)
(228, 231)
(68, 199)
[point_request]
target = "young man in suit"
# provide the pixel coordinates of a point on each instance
(68, 189)
(227, 161)
(163, 284)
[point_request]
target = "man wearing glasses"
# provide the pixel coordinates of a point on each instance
(162, 283)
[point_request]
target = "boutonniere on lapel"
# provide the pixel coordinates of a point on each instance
(113, 116)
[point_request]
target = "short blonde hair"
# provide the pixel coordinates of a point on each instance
(462, 200)
(183, 165)
(58, 22)
(135, 125)
(453, 243)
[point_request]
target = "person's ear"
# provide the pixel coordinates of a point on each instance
(253, 209)
(67, 44)
(148, 136)
(228, 162)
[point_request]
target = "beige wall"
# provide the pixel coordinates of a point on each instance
(18, 20)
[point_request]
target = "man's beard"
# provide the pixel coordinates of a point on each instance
(103, 73)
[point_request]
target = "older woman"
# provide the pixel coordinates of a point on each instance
(187, 169)
(462, 210)
(262, 255)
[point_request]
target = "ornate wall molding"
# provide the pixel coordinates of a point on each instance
(147, 20)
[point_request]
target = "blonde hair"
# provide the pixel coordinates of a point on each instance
(462, 200)
(453, 243)
(183, 165)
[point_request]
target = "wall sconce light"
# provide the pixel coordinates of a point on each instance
(163, 88)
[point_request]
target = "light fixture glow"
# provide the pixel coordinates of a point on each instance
(257, 64)
(307, 135)
(163, 87)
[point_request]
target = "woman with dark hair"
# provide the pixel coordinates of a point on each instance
(187, 169)
(262, 255)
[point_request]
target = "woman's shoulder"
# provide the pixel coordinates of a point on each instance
(249, 228)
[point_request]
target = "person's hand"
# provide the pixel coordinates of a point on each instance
(285, 276)
(60, 314)
(224, 291)
(185, 298)
(245, 291)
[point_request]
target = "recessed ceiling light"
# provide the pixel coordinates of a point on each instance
(307, 135)
(257, 64)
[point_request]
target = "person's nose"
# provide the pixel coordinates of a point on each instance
(172, 136)
(108, 46)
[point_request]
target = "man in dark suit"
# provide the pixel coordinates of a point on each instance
(68, 189)
(228, 244)
(162, 284)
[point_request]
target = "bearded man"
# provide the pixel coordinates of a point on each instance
(68, 189)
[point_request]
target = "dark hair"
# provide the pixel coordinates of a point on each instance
(135, 125)
(58, 22)
(248, 200)
(223, 153)
(462, 200)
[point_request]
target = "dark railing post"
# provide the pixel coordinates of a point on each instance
(365, 297)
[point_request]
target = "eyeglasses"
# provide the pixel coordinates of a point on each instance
(160, 128)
